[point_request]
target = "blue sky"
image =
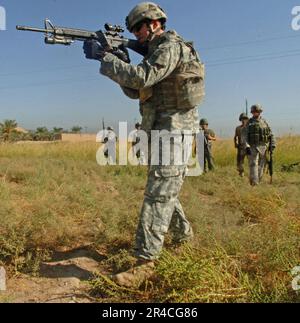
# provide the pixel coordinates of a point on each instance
(249, 48)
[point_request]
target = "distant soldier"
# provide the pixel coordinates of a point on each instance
(241, 149)
(110, 140)
(136, 139)
(258, 138)
(209, 138)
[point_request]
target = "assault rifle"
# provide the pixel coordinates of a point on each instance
(111, 38)
(290, 167)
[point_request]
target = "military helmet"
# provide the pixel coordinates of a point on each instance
(203, 122)
(243, 116)
(257, 108)
(144, 10)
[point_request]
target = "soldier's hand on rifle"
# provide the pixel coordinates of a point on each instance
(93, 50)
(248, 151)
(122, 53)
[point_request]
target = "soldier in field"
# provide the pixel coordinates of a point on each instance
(169, 84)
(241, 151)
(209, 138)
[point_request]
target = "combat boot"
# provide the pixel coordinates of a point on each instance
(134, 277)
(180, 239)
(253, 183)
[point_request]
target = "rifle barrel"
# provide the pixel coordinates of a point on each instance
(65, 36)
(38, 30)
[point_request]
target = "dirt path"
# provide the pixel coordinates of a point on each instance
(62, 280)
(65, 278)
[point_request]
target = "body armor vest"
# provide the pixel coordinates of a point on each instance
(184, 88)
(258, 132)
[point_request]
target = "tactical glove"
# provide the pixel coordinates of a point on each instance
(248, 151)
(93, 50)
(122, 54)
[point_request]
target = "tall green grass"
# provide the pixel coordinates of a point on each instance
(246, 239)
(287, 152)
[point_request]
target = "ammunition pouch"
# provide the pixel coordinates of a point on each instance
(257, 134)
(183, 89)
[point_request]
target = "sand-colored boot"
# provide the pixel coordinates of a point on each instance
(135, 276)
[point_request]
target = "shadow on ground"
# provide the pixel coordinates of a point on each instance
(79, 263)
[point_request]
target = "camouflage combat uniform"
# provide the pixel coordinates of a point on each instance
(241, 151)
(164, 84)
(258, 136)
(138, 152)
(208, 157)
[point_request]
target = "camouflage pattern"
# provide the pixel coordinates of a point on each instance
(184, 87)
(243, 116)
(241, 149)
(135, 139)
(240, 131)
(257, 108)
(240, 161)
(258, 132)
(161, 209)
(208, 157)
(152, 82)
(257, 162)
(109, 138)
(144, 10)
(203, 122)
(258, 143)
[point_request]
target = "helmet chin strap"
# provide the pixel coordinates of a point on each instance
(152, 34)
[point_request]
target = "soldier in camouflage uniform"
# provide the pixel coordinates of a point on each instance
(169, 85)
(241, 151)
(257, 138)
(135, 139)
(209, 137)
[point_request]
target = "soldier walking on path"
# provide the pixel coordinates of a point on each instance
(169, 84)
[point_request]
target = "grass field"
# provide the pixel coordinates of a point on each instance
(247, 239)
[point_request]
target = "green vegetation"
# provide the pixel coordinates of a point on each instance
(246, 244)
(9, 132)
(76, 129)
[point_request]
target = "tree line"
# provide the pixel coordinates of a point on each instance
(9, 132)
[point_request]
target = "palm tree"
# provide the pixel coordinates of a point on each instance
(7, 129)
(58, 130)
(56, 133)
(42, 134)
(76, 129)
